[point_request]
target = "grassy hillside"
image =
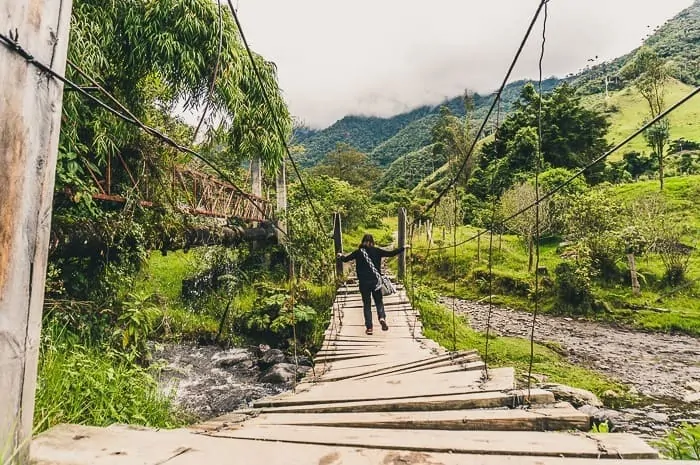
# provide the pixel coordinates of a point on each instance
(678, 41)
(632, 110)
(513, 282)
(409, 170)
(362, 132)
(413, 137)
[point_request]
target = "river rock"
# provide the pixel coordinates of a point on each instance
(692, 398)
(575, 396)
(231, 357)
(658, 417)
(301, 361)
(282, 373)
(271, 357)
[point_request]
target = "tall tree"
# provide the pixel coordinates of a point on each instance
(572, 136)
(525, 225)
(649, 73)
(452, 138)
(348, 164)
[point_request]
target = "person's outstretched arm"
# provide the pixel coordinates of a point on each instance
(391, 253)
(347, 258)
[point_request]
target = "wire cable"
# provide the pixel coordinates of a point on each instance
(491, 108)
(538, 168)
(491, 228)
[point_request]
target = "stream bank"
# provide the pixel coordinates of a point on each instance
(662, 368)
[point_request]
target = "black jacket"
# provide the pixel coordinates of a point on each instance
(368, 280)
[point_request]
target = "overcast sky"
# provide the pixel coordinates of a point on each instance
(382, 57)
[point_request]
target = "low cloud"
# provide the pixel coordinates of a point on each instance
(382, 57)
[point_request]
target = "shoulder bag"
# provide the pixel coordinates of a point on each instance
(383, 282)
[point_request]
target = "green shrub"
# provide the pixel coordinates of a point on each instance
(573, 288)
(682, 443)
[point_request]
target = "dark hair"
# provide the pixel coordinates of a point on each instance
(367, 241)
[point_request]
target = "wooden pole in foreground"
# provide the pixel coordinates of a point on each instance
(338, 241)
(30, 121)
(402, 243)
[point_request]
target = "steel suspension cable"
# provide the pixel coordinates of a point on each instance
(491, 228)
(538, 168)
(215, 75)
(491, 108)
(275, 120)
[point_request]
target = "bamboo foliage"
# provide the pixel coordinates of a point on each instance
(159, 55)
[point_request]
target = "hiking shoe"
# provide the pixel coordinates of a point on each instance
(385, 327)
(368, 331)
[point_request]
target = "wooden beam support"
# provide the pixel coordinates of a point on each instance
(282, 201)
(402, 243)
(338, 242)
(30, 122)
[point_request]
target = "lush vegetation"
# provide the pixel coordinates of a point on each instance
(590, 274)
(507, 351)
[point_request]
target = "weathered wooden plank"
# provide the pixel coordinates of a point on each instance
(452, 402)
(84, 445)
(409, 386)
(30, 122)
(545, 444)
(536, 419)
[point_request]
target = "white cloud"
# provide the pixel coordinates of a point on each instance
(380, 57)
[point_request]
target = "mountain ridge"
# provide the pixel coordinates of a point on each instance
(386, 140)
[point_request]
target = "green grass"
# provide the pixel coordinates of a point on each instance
(98, 386)
(383, 235)
(515, 352)
(633, 110)
(682, 443)
(163, 274)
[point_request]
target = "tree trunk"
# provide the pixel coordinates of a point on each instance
(30, 122)
(530, 246)
(661, 170)
(633, 274)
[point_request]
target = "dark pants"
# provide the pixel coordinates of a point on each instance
(367, 295)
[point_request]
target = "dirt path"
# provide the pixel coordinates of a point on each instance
(657, 365)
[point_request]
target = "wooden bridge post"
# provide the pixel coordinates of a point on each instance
(256, 177)
(30, 121)
(282, 201)
(338, 242)
(402, 243)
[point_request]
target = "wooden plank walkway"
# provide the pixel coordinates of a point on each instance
(391, 398)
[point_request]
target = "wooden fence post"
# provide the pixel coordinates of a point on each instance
(402, 243)
(338, 242)
(30, 120)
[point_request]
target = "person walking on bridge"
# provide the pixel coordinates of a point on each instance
(369, 284)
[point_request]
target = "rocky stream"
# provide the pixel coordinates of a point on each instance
(663, 369)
